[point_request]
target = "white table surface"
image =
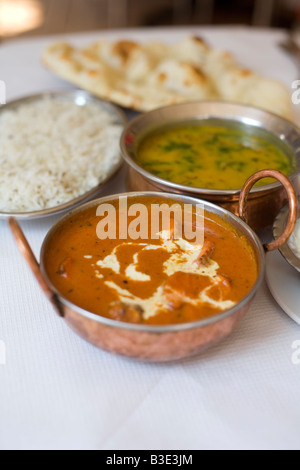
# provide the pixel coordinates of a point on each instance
(59, 392)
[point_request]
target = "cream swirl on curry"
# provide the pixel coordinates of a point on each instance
(184, 258)
(162, 281)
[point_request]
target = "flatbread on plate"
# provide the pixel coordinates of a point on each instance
(145, 76)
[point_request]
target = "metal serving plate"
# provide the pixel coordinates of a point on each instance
(80, 98)
(278, 228)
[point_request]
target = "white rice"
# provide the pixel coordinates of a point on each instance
(52, 151)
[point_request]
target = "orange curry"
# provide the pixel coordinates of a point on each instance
(150, 281)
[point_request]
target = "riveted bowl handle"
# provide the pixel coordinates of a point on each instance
(292, 198)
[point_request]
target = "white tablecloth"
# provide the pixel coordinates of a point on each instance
(59, 392)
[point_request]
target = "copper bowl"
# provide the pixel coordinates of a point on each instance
(264, 201)
(170, 342)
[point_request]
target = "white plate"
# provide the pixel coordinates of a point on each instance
(284, 283)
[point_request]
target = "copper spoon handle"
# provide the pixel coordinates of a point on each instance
(293, 204)
(35, 267)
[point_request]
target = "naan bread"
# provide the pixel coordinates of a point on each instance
(145, 76)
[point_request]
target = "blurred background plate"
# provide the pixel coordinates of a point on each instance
(283, 271)
(284, 283)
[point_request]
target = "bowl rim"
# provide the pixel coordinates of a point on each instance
(71, 95)
(248, 115)
(237, 222)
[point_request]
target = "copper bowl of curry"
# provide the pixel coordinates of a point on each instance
(159, 296)
(208, 150)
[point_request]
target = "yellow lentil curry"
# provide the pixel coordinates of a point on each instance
(212, 155)
(155, 282)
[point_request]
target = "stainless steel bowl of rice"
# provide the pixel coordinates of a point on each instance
(57, 150)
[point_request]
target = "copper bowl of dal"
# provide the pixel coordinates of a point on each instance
(264, 202)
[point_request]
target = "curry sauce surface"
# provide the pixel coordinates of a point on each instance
(75, 258)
